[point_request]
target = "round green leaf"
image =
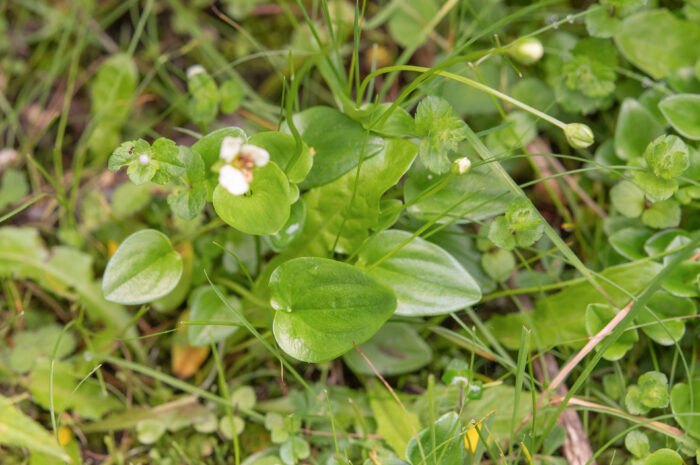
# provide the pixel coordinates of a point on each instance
(688, 418)
(149, 431)
(683, 112)
(263, 210)
(664, 457)
(395, 349)
(144, 268)
(293, 450)
(684, 280)
(282, 148)
(324, 307)
(209, 146)
(628, 199)
(426, 279)
(205, 305)
(658, 243)
(629, 242)
(599, 315)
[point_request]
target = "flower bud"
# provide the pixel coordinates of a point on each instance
(527, 51)
(195, 70)
(579, 135)
(461, 165)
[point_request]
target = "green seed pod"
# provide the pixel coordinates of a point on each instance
(579, 135)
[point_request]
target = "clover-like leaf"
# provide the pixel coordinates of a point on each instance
(667, 156)
(324, 307)
(144, 268)
(442, 129)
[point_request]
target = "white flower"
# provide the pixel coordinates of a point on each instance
(195, 70)
(259, 155)
(230, 147)
(233, 180)
(144, 159)
(461, 165)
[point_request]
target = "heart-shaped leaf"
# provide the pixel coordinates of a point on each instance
(683, 112)
(324, 307)
(395, 349)
(426, 279)
(263, 210)
(144, 268)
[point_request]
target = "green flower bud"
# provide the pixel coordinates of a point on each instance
(579, 135)
(461, 165)
(527, 51)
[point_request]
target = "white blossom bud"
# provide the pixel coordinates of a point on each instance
(144, 159)
(461, 165)
(195, 70)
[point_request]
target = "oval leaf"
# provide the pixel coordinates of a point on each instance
(324, 307)
(144, 268)
(426, 279)
(683, 112)
(263, 210)
(662, 317)
(395, 349)
(686, 416)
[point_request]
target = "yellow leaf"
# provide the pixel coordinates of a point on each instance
(471, 438)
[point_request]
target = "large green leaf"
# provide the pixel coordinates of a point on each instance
(63, 271)
(426, 279)
(205, 305)
(338, 143)
(325, 307)
(21, 431)
(262, 211)
(658, 42)
(441, 443)
(396, 349)
(560, 318)
(472, 196)
(683, 112)
(144, 268)
(636, 128)
(687, 413)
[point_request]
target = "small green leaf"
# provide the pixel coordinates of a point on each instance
(243, 398)
(294, 450)
(664, 214)
(682, 111)
(629, 242)
(669, 308)
(405, 23)
(601, 23)
(13, 188)
(426, 279)
(664, 457)
(500, 234)
(637, 443)
(292, 229)
(394, 424)
(636, 128)
(188, 202)
(30, 345)
(442, 130)
(443, 439)
(144, 268)
(396, 349)
(599, 315)
(654, 389)
(654, 187)
(499, 264)
(263, 210)
(684, 280)
(282, 149)
(230, 426)
(149, 431)
(231, 93)
(209, 146)
(628, 199)
(205, 305)
(686, 407)
(325, 307)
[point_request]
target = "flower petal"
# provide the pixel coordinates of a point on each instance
(259, 155)
(230, 147)
(233, 180)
